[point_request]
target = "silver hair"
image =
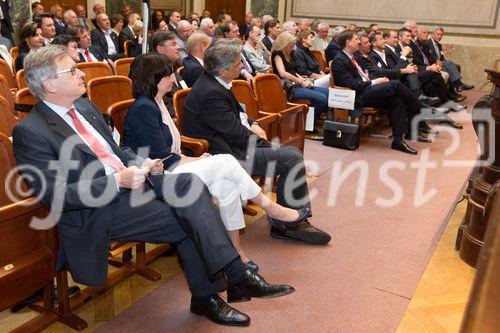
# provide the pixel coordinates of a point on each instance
(221, 55)
(205, 23)
(337, 31)
(439, 29)
(322, 24)
(40, 65)
(288, 24)
(408, 24)
(67, 13)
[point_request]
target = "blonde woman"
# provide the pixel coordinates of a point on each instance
(284, 66)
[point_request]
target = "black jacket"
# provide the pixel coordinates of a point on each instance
(125, 34)
(331, 50)
(379, 68)
(213, 113)
(305, 62)
(99, 41)
(192, 70)
(267, 42)
(96, 52)
(432, 50)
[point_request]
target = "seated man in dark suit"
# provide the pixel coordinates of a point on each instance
(197, 44)
(127, 32)
(271, 31)
(243, 28)
(95, 191)
(213, 113)
(436, 50)
(87, 51)
(105, 39)
(379, 92)
(333, 47)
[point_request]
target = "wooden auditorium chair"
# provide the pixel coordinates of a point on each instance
(104, 91)
(7, 73)
(20, 80)
(122, 66)
(94, 69)
(269, 122)
(320, 58)
(271, 98)
(7, 118)
(24, 102)
(6, 92)
(126, 46)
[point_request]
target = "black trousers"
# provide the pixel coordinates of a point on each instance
(287, 163)
(186, 217)
(434, 85)
(394, 97)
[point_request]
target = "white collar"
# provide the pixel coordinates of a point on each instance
(224, 84)
(391, 48)
(60, 110)
(199, 59)
(347, 54)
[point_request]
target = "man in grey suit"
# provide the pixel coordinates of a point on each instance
(95, 191)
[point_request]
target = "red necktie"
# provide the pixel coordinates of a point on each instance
(360, 71)
(98, 149)
(87, 55)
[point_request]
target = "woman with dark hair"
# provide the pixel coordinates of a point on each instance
(30, 37)
(148, 124)
(71, 42)
(116, 21)
(156, 17)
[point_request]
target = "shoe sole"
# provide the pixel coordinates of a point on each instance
(218, 322)
(299, 239)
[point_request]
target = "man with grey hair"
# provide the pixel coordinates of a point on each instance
(183, 31)
(333, 47)
(266, 18)
(213, 113)
(436, 50)
(256, 52)
(70, 18)
(291, 27)
(321, 40)
(208, 27)
(304, 24)
(66, 140)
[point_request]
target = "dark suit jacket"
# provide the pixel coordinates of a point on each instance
(19, 61)
(331, 50)
(393, 59)
(267, 42)
(125, 34)
(305, 62)
(213, 113)
(346, 75)
(96, 52)
(417, 57)
(192, 70)
(83, 229)
(432, 50)
(99, 41)
(378, 68)
(243, 28)
(61, 28)
(144, 127)
(7, 22)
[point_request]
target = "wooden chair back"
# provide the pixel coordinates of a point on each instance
(118, 111)
(25, 99)
(122, 66)
(178, 102)
(20, 80)
(14, 51)
(7, 119)
(126, 46)
(319, 56)
(104, 91)
(270, 94)
(6, 92)
(244, 94)
(180, 70)
(94, 69)
(9, 180)
(7, 73)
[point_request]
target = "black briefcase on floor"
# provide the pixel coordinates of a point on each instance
(341, 135)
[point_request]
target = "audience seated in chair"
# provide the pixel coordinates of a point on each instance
(106, 40)
(148, 125)
(333, 47)
(127, 32)
(271, 31)
(31, 38)
(176, 209)
(213, 113)
(183, 31)
(256, 52)
(321, 40)
(87, 51)
(305, 62)
(197, 44)
(285, 67)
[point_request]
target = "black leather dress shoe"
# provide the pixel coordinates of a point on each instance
(428, 130)
(251, 285)
(456, 97)
(220, 312)
(252, 266)
(432, 101)
(303, 214)
(419, 138)
(403, 146)
(305, 232)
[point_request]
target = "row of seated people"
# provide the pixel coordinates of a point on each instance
(203, 244)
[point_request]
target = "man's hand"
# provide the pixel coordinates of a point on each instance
(258, 131)
(406, 51)
(380, 80)
(156, 166)
(409, 69)
(247, 76)
(434, 67)
(131, 177)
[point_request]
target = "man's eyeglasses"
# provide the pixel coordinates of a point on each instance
(71, 70)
